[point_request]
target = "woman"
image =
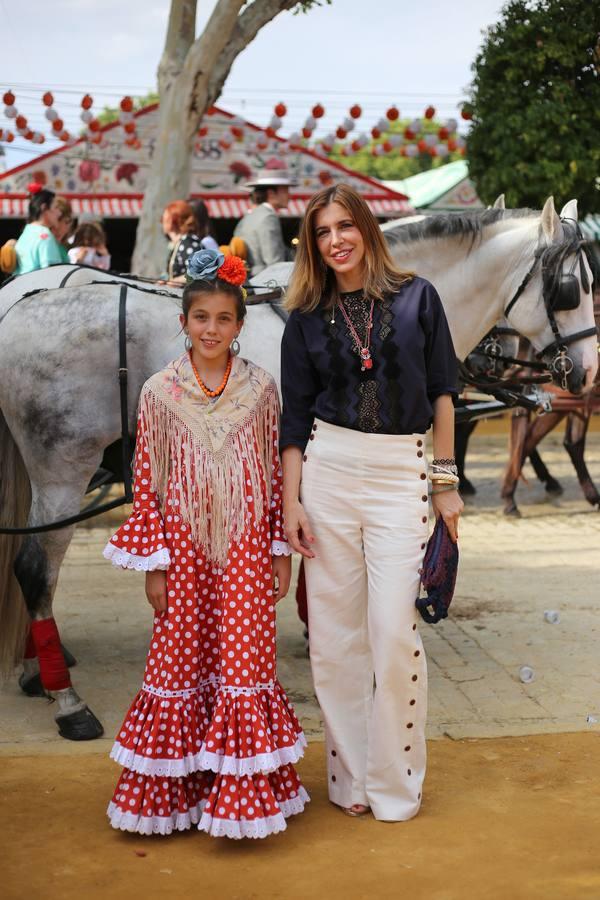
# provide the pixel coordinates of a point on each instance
(179, 225)
(203, 225)
(37, 246)
(211, 738)
(367, 366)
(63, 226)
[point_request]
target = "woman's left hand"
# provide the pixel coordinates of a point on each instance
(282, 575)
(449, 506)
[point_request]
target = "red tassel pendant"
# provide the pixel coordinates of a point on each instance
(367, 362)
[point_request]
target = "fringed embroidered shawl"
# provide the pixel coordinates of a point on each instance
(198, 447)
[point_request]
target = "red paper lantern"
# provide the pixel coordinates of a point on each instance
(87, 102)
(306, 133)
(64, 136)
(318, 111)
(375, 132)
(280, 110)
(128, 127)
(387, 146)
(10, 137)
(341, 133)
(452, 145)
(393, 113)
(432, 151)
(237, 132)
(130, 141)
(422, 146)
(8, 98)
(48, 99)
(443, 134)
(225, 145)
(261, 145)
(28, 135)
(270, 132)
(95, 125)
(126, 104)
(402, 150)
(41, 139)
(430, 112)
(203, 131)
(326, 148)
(356, 146)
(355, 111)
(21, 122)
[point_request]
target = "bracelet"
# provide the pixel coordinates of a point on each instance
(447, 487)
(444, 479)
(444, 462)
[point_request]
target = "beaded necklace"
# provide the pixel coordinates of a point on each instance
(206, 391)
(363, 349)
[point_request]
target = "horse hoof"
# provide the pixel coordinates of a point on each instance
(70, 660)
(554, 488)
(466, 487)
(512, 510)
(32, 686)
(80, 726)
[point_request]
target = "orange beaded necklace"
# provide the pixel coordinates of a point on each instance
(222, 386)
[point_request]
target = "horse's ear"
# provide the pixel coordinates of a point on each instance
(499, 202)
(550, 221)
(569, 210)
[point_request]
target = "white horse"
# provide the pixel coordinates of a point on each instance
(59, 397)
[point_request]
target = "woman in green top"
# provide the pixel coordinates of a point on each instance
(37, 247)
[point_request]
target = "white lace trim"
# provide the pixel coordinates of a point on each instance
(128, 821)
(206, 760)
(159, 560)
(254, 828)
(280, 548)
(215, 683)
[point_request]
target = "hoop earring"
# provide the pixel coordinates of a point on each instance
(235, 347)
(187, 343)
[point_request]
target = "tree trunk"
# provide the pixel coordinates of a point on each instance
(190, 78)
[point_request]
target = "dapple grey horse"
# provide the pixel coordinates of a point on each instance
(59, 398)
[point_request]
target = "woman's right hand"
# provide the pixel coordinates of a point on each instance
(297, 530)
(156, 590)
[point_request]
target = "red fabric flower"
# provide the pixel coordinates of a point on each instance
(34, 188)
(233, 270)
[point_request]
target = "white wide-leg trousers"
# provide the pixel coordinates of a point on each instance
(366, 500)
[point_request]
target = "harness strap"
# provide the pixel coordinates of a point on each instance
(563, 342)
(123, 383)
(525, 282)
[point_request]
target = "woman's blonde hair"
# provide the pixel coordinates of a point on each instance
(312, 281)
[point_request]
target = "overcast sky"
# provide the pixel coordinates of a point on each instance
(372, 53)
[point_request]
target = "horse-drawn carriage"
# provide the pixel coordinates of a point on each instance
(68, 393)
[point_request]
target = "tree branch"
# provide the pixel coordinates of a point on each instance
(181, 32)
(255, 17)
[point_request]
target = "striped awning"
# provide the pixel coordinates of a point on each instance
(218, 207)
(591, 227)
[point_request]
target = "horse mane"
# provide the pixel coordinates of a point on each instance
(468, 225)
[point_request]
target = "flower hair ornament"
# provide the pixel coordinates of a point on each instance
(34, 188)
(210, 265)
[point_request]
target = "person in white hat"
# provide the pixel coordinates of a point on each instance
(261, 228)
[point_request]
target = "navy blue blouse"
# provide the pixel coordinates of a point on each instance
(413, 363)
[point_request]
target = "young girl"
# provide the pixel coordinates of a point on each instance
(89, 247)
(211, 738)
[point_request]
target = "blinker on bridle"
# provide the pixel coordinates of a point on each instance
(560, 296)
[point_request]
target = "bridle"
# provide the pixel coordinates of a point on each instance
(559, 297)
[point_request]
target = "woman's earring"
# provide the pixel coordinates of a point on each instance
(235, 347)
(187, 342)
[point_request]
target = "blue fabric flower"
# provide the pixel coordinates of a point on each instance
(203, 264)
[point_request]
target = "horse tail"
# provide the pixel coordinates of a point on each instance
(15, 500)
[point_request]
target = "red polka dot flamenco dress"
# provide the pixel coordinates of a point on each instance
(210, 739)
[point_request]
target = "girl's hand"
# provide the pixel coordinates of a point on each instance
(282, 574)
(449, 506)
(297, 530)
(156, 590)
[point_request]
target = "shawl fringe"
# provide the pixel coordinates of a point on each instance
(217, 497)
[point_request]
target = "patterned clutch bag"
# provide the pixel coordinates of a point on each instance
(438, 577)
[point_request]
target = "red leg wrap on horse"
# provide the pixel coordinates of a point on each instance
(53, 669)
(30, 651)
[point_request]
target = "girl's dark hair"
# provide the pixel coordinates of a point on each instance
(203, 223)
(38, 203)
(88, 235)
(203, 286)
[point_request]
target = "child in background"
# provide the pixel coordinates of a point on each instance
(89, 247)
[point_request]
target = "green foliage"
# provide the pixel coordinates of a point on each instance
(111, 113)
(535, 100)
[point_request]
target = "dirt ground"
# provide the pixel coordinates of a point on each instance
(504, 819)
(510, 806)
